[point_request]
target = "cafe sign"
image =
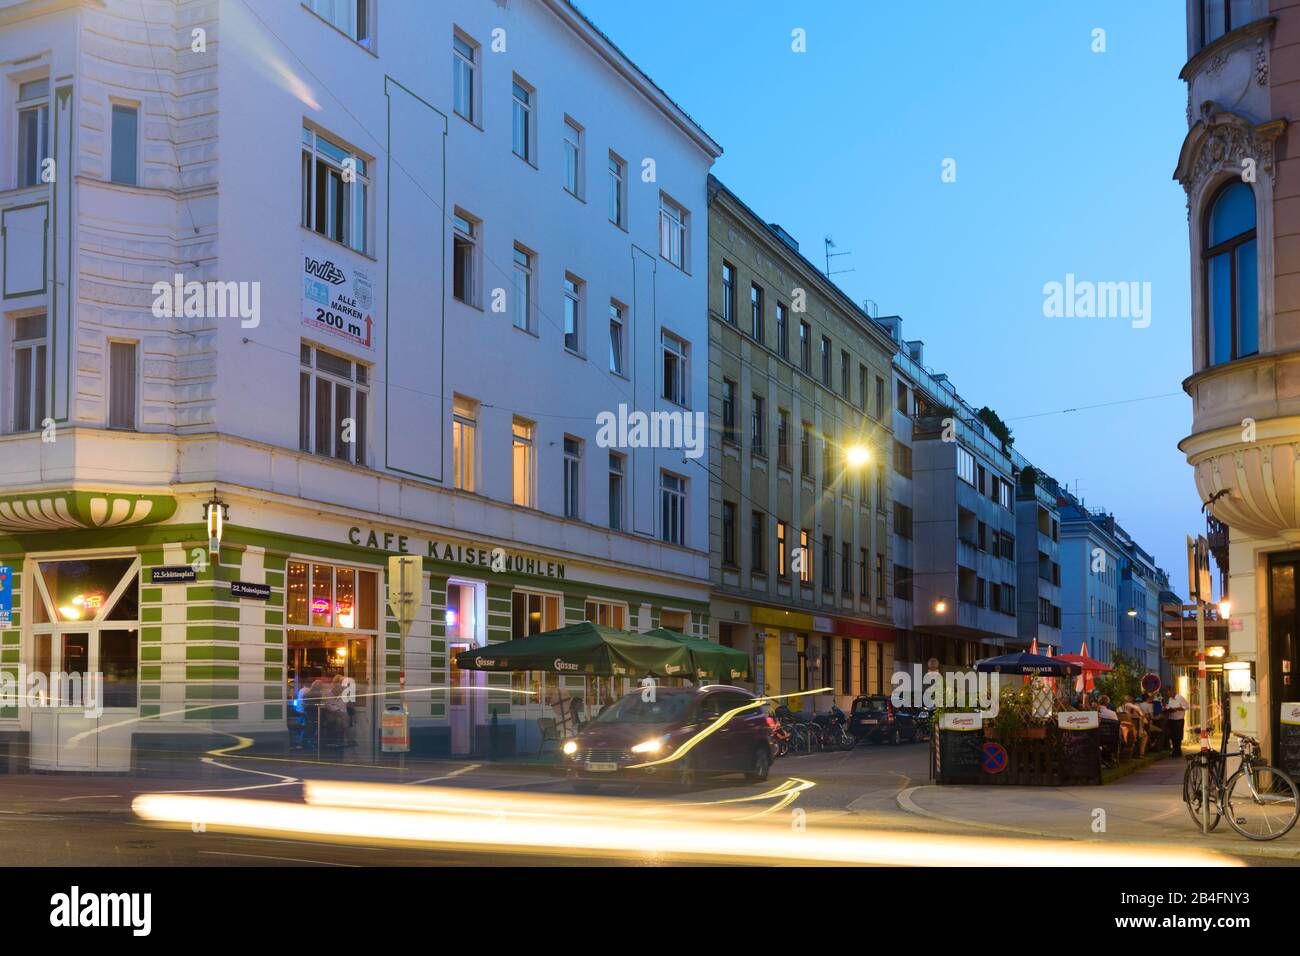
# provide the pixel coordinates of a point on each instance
(1078, 720)
(494, 559)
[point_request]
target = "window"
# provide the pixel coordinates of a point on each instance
(122, 388)
(826, 361)
(965, 466)
(846, 665)
(805, 449)
(351, 17)
(573, 296)
(335, 191)
(728, 293)
(532, 613)
(617, 325)
(672, 231)
(616, 495)
(846, 568)
(880, 579)
(863, 380)
(573, 178)
(782, 543)
(758, 426)
(729, 534)
(33, 130)
(675, 369)
(902, 398)
(522, 121)
(782, 331)
(827, 582)
(1231, 290)
(572, 477)
(729, 411)
(29, 354)
(805, 347)
(902, 459)
(617, 191)
(607, 613)
(828, 461)
(864, 570)
(756, 313)
(1222, 16)
(124, 160)
(902, 582)
(783, 438)
(1004, 494)
(465, 267)
(672, 508)
(902, 520)
(523, 268)
(464, 78)
(805, 557)
(464, 442)
(523, 456)
(880, 398)
(332, 396)
(846, 381)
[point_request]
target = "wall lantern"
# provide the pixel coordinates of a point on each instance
(216, 513)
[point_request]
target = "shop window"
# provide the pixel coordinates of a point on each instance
(532, 612)
(82, 590)
(322, 595)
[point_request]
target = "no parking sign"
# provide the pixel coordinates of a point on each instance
(993, 757)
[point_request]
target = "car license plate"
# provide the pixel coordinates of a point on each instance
(868, 721)
(601, 767)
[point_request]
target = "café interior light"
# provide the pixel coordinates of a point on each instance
(1217, 651)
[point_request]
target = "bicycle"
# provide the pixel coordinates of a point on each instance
(1260, 802)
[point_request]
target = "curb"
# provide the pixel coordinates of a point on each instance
(1243, 848)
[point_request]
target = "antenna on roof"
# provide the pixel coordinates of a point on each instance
(830, 244)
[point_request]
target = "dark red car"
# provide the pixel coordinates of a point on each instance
(676, 738)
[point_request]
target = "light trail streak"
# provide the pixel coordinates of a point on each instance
(437, 818)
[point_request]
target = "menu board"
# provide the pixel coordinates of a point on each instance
(1081, 756)
(960, 754)
(1288, 742)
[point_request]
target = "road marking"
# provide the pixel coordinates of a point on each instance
(446, 776)
(282, 859)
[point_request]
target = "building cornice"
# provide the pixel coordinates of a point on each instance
(27, 9)
(619, 61)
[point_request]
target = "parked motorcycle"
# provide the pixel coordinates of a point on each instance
(834, 729)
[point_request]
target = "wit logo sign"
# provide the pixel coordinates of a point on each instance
(74, 909)
(337, 297)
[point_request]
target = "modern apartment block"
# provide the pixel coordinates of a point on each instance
(365, 279)
(799, 379)
(1090, 588)
(954, 534)
(1141, 582)
(1238, 168)
(1038, 557)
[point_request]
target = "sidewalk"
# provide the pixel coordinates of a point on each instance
(1144, 807)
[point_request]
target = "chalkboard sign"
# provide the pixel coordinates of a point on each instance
(1081, 756)
(1288, 744)
(960, 756)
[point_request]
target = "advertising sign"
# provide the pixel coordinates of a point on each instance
(6, 596)
(394, 733)
(962, 722)
(1078, 720)
(338, 296)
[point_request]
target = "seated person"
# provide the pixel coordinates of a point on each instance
(1103, 709)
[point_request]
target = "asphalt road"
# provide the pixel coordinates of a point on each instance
(87, 820)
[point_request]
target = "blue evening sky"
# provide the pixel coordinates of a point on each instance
(1064, 161)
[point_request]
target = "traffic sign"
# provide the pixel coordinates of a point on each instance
(994, 757)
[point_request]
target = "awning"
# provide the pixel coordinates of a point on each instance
(583, 650)
(1021, 663)
(708, 660)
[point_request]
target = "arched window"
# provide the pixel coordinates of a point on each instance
(1231, 290)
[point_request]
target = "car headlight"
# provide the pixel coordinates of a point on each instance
(648, 746)
(570, 747)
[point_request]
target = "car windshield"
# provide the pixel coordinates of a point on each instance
(870, 705)
(664, 709)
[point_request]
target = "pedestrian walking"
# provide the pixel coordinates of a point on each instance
(1176, 708)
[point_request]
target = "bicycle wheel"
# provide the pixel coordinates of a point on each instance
(1262, 803)
(799, 739)
(1192, 794)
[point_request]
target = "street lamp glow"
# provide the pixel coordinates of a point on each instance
(1132, 612)
(1225, 609)
(940, 606)
(857, 455)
